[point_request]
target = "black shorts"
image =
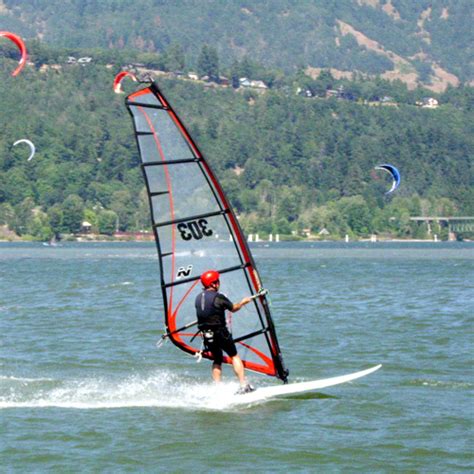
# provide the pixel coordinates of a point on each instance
(222, 341)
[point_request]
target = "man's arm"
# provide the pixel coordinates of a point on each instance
(239, 305)
(224, 302)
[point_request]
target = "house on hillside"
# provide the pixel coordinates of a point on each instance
(86, 227)
(258, 85)
(333, 93)
(323, 232)
(428, 103)
(387, 100)
(252, 84)
(46, 67)
(224, 81)
(304, 92)
(84, 60)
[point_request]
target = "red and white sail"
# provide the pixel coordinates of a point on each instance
(196, 230)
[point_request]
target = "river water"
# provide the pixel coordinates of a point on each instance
(83, 387)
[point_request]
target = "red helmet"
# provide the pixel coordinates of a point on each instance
(209, 277)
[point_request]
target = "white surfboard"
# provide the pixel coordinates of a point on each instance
(292, 388)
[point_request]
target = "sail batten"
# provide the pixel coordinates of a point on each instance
(170, 162)
(248, 336)
(195, 230)
(151, 106)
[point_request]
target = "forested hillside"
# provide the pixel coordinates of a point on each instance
(290, 163)
(429, 42)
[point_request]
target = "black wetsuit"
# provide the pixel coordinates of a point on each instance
(210, 309)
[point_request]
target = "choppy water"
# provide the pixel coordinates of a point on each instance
(83, 388)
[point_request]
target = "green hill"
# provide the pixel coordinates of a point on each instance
(429, 42)
(288, 162)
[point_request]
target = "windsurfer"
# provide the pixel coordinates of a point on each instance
(210, 308)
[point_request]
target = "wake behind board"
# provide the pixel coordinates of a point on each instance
(299, 387)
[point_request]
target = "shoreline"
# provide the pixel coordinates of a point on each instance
(112, 240)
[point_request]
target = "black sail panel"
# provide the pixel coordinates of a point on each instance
(196, 230)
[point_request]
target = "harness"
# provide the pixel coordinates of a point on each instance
(208, 337)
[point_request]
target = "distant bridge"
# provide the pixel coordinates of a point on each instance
(455, 224)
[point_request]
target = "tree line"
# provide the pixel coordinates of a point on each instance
(290, 164)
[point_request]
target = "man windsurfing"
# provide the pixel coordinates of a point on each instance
(210, 309)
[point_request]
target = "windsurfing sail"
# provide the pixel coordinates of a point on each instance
(196, 229)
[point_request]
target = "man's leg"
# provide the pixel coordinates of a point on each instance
(216, 372)
(216, 350)
(239, 369)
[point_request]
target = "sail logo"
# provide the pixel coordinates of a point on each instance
(184, 272)
(194, 229)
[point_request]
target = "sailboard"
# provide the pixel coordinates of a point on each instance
(195, 230)
(264, 393)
